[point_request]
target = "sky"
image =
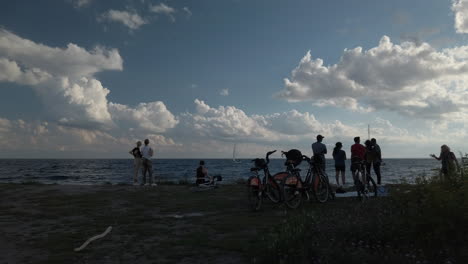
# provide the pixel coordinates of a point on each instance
(89, 78)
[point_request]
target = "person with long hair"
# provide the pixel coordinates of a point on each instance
(339, 156)
(449, 161)
(137, 161)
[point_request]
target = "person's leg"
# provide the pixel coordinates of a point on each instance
(337, 176)
(377, 171)
(150, 171)
(343, 171)
(145, 169)
(368, 171)
(137, 168)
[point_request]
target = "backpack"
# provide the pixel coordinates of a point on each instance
(295, 156)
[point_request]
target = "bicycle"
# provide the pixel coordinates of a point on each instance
(364, 191)
(268, 186)
(316, 184)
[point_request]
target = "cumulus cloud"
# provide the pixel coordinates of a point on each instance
(164, 9)
(130, 19)
(413, 80)
(151, 117)
(228, 123)
(224, 92)
(64, 80)
(63, 77)
(460, 8)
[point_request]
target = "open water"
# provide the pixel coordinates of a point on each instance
(120, 171)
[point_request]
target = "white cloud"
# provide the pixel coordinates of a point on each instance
(81, 3)
(130, 19)
(224, 92)
(62, 77)
(187, 10)
(460, 8)
(162, 8)
(228, 123)
(413, 80)
(64, 80)
(151, 117)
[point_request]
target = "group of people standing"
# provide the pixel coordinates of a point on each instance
(143, 156)
(370, 154)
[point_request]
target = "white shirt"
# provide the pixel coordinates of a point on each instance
(147, 152)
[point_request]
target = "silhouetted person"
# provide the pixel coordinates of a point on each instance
(378, 161)
(202, 174)
(319, 150)
(137, 161)
(339, 156)
(449, 161)
(358, 153)
(147, 153)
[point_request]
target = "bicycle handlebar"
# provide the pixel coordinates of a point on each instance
(268, 154)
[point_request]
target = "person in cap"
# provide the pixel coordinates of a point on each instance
(319, 150)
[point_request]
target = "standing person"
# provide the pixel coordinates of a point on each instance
(449, 161)
(370, 156)
(147, 153)
(358, 153)
(137, 161)
(378, 160)
(339, 156)
(319, 150)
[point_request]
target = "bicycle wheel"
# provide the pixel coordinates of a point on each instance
(371, 186)
(254, 193)
(320, 187)
(272, 191)
(291, 193)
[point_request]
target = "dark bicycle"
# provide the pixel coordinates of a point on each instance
(364, 191)
(315, 183)
(267, 186)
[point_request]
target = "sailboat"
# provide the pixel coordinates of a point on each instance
(234, 155)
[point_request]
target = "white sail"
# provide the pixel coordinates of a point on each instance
(234, 154)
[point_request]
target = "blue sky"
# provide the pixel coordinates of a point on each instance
(199, 76)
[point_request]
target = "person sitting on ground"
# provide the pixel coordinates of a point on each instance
(339, 156)
(202, 174)
(449, 161)
(137, 162)
(358, 152)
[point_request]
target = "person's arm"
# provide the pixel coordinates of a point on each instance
(435, 157)
(150, 152)
(131, 152)
(344, 155)
(325, 150)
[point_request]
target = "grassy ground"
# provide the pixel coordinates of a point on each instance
(166, 224)
(174, 224)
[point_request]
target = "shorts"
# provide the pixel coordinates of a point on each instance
(340, 167)
(355, 167)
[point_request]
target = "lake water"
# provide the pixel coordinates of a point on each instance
(118, 171)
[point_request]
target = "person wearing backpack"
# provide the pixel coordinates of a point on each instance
(371, 158)
(378, 160)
